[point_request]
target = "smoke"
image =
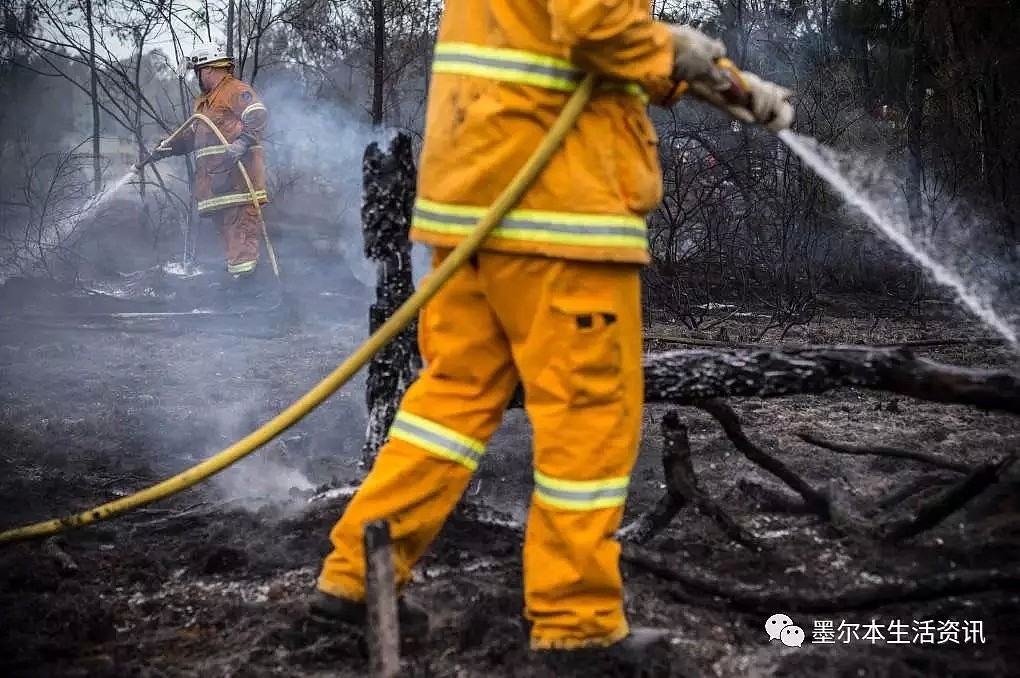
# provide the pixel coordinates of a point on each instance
(263, 477)
(316, 150)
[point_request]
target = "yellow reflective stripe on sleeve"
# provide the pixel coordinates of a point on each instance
(229, 200)
(581, 495)
(562, 228)
(437, 439)
(254, 107)
(518, 66)
(210, 150)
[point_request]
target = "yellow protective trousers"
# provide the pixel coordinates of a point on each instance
(570, 331)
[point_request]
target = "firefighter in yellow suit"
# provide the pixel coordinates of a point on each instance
(552, 300)
(220, 190)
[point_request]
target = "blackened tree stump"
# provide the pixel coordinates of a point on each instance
(389, 190)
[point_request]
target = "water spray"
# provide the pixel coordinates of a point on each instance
(66, 227)
(813, 154)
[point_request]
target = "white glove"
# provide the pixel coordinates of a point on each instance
(769, 103)
(694, 57)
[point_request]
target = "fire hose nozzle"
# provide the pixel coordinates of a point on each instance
(156, 154)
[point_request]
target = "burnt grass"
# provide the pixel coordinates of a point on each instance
(212, 582)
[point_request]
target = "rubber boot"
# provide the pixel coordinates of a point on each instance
(644, 653)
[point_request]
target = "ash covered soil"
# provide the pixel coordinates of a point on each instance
(210, 582)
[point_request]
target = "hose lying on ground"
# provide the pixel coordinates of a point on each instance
(342, 374)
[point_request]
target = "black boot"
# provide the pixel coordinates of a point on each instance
(324, 608)
(644, 653)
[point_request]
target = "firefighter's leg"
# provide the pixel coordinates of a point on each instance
(437, 439)
(240, 230)
(578, 351)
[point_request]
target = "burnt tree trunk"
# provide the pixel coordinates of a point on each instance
(389, 180)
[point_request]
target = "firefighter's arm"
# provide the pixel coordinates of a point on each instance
(619, 40)
(254, 118)
(181, 144)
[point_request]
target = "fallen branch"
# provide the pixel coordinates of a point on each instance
(767, 597)
(881, 451)
(942, 506)
(682, 488)
(909, 489)
(727, 418)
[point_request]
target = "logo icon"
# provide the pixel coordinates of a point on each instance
(792, 636)
(780, 627)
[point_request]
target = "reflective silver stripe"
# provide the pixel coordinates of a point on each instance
(229, 200)
(518, 66)
(254, 107)
(581, 495)
(566, 228)
(437, 439)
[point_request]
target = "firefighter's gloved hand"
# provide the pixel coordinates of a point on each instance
(238, 148)
(161, 151)
(694, 58)
(769, 103)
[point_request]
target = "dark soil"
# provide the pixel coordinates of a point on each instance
(211, 582)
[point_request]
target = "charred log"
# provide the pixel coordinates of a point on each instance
(389, 181)
(683, 376)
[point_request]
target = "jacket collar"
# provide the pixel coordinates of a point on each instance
(222, 83)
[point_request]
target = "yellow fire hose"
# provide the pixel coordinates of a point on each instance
(342, 374)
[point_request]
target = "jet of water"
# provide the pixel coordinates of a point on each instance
(820, 158)
(65, 228)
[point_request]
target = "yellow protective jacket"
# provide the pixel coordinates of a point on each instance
(234, 107)
(503, 69)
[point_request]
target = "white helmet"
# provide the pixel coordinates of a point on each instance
(208, 54)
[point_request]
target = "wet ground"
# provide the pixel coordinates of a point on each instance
(210, 582)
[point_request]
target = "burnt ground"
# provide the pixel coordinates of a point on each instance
(210, 582)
